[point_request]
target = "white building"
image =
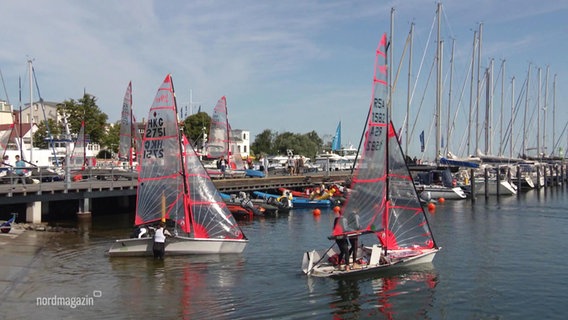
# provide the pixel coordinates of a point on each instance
(242, 139)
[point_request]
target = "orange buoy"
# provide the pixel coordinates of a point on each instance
(431, 207)
(441, 200)
(336, 209)
(316, 212)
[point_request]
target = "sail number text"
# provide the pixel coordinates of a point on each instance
(155, 129)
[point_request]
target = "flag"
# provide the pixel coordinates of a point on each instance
(422, 141)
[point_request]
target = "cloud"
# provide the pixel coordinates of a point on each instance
(291, 66)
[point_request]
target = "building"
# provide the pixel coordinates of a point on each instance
(241, 138)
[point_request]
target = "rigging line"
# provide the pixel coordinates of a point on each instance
(51, 144)
(423, 58)
(4, 85)
(558, 140)
(398, 73)
(422, 100)
(459, 105)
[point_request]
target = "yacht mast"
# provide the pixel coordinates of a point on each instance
(538, 115)
(512, 117)
(524, 148)
(544, 109)
(553, 151)
(478, 90)
(438, 85)
(409, 87)
(449, 124)
(31, 112)
(470, 118)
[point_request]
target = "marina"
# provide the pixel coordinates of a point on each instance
(452, 205)
(494, 264)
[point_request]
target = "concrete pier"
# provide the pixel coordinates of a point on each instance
(33, 212)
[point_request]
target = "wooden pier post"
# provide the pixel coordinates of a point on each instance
(486, 178)
(472, 184)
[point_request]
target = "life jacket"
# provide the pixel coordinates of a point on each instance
(337, 228)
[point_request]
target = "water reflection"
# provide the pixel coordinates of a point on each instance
(408, 294)
(178, 287)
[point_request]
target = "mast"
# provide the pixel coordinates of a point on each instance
(438, 85)
(478, 90)
(553, 151)
(31, 112)
(448, 129)
(545, 108)
(538, 115)
(391, 59)
(526, 111)
(502, 106)
(470, 118)
(488, 107)
(512, 117)
(409, 89)
(180, 142)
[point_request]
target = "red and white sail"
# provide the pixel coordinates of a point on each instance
(383, 192)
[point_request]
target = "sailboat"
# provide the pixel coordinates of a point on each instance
(173, 186)
(130, 139)
(220, 145)
(78, 157)
(383, 196)
(336, 142)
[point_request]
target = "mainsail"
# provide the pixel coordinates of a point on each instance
(160, 178)
(129, 136)
(336, 142)
(172, 182)
(79, 155)
(4, 138)
(218, 144)
(383, 192)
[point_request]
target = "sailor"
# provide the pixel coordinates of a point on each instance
(354, 240)
(339, 227)
(159, 247)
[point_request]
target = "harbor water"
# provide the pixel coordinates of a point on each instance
(500, 259)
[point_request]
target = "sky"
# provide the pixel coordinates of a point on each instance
(296, 66)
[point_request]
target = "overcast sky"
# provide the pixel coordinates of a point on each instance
(291, 66)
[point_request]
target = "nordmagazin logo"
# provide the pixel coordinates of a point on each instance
(71, 302)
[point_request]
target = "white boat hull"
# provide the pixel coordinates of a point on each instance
(436, 192)
(505, 188)
(315, 263)
(176, 246)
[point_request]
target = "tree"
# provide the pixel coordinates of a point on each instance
(111, 138)
(307, 144)
(43, 132)
(195, 125)
(263, 142)
(85, 109)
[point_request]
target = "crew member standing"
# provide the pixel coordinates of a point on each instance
(160, 241)
(339, 228)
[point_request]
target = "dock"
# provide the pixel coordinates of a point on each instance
(37, 197)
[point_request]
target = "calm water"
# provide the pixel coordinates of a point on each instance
(501, 259)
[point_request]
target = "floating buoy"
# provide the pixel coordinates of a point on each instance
(316, 212)
(431, 207)
(441, 200)
(336, 209)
